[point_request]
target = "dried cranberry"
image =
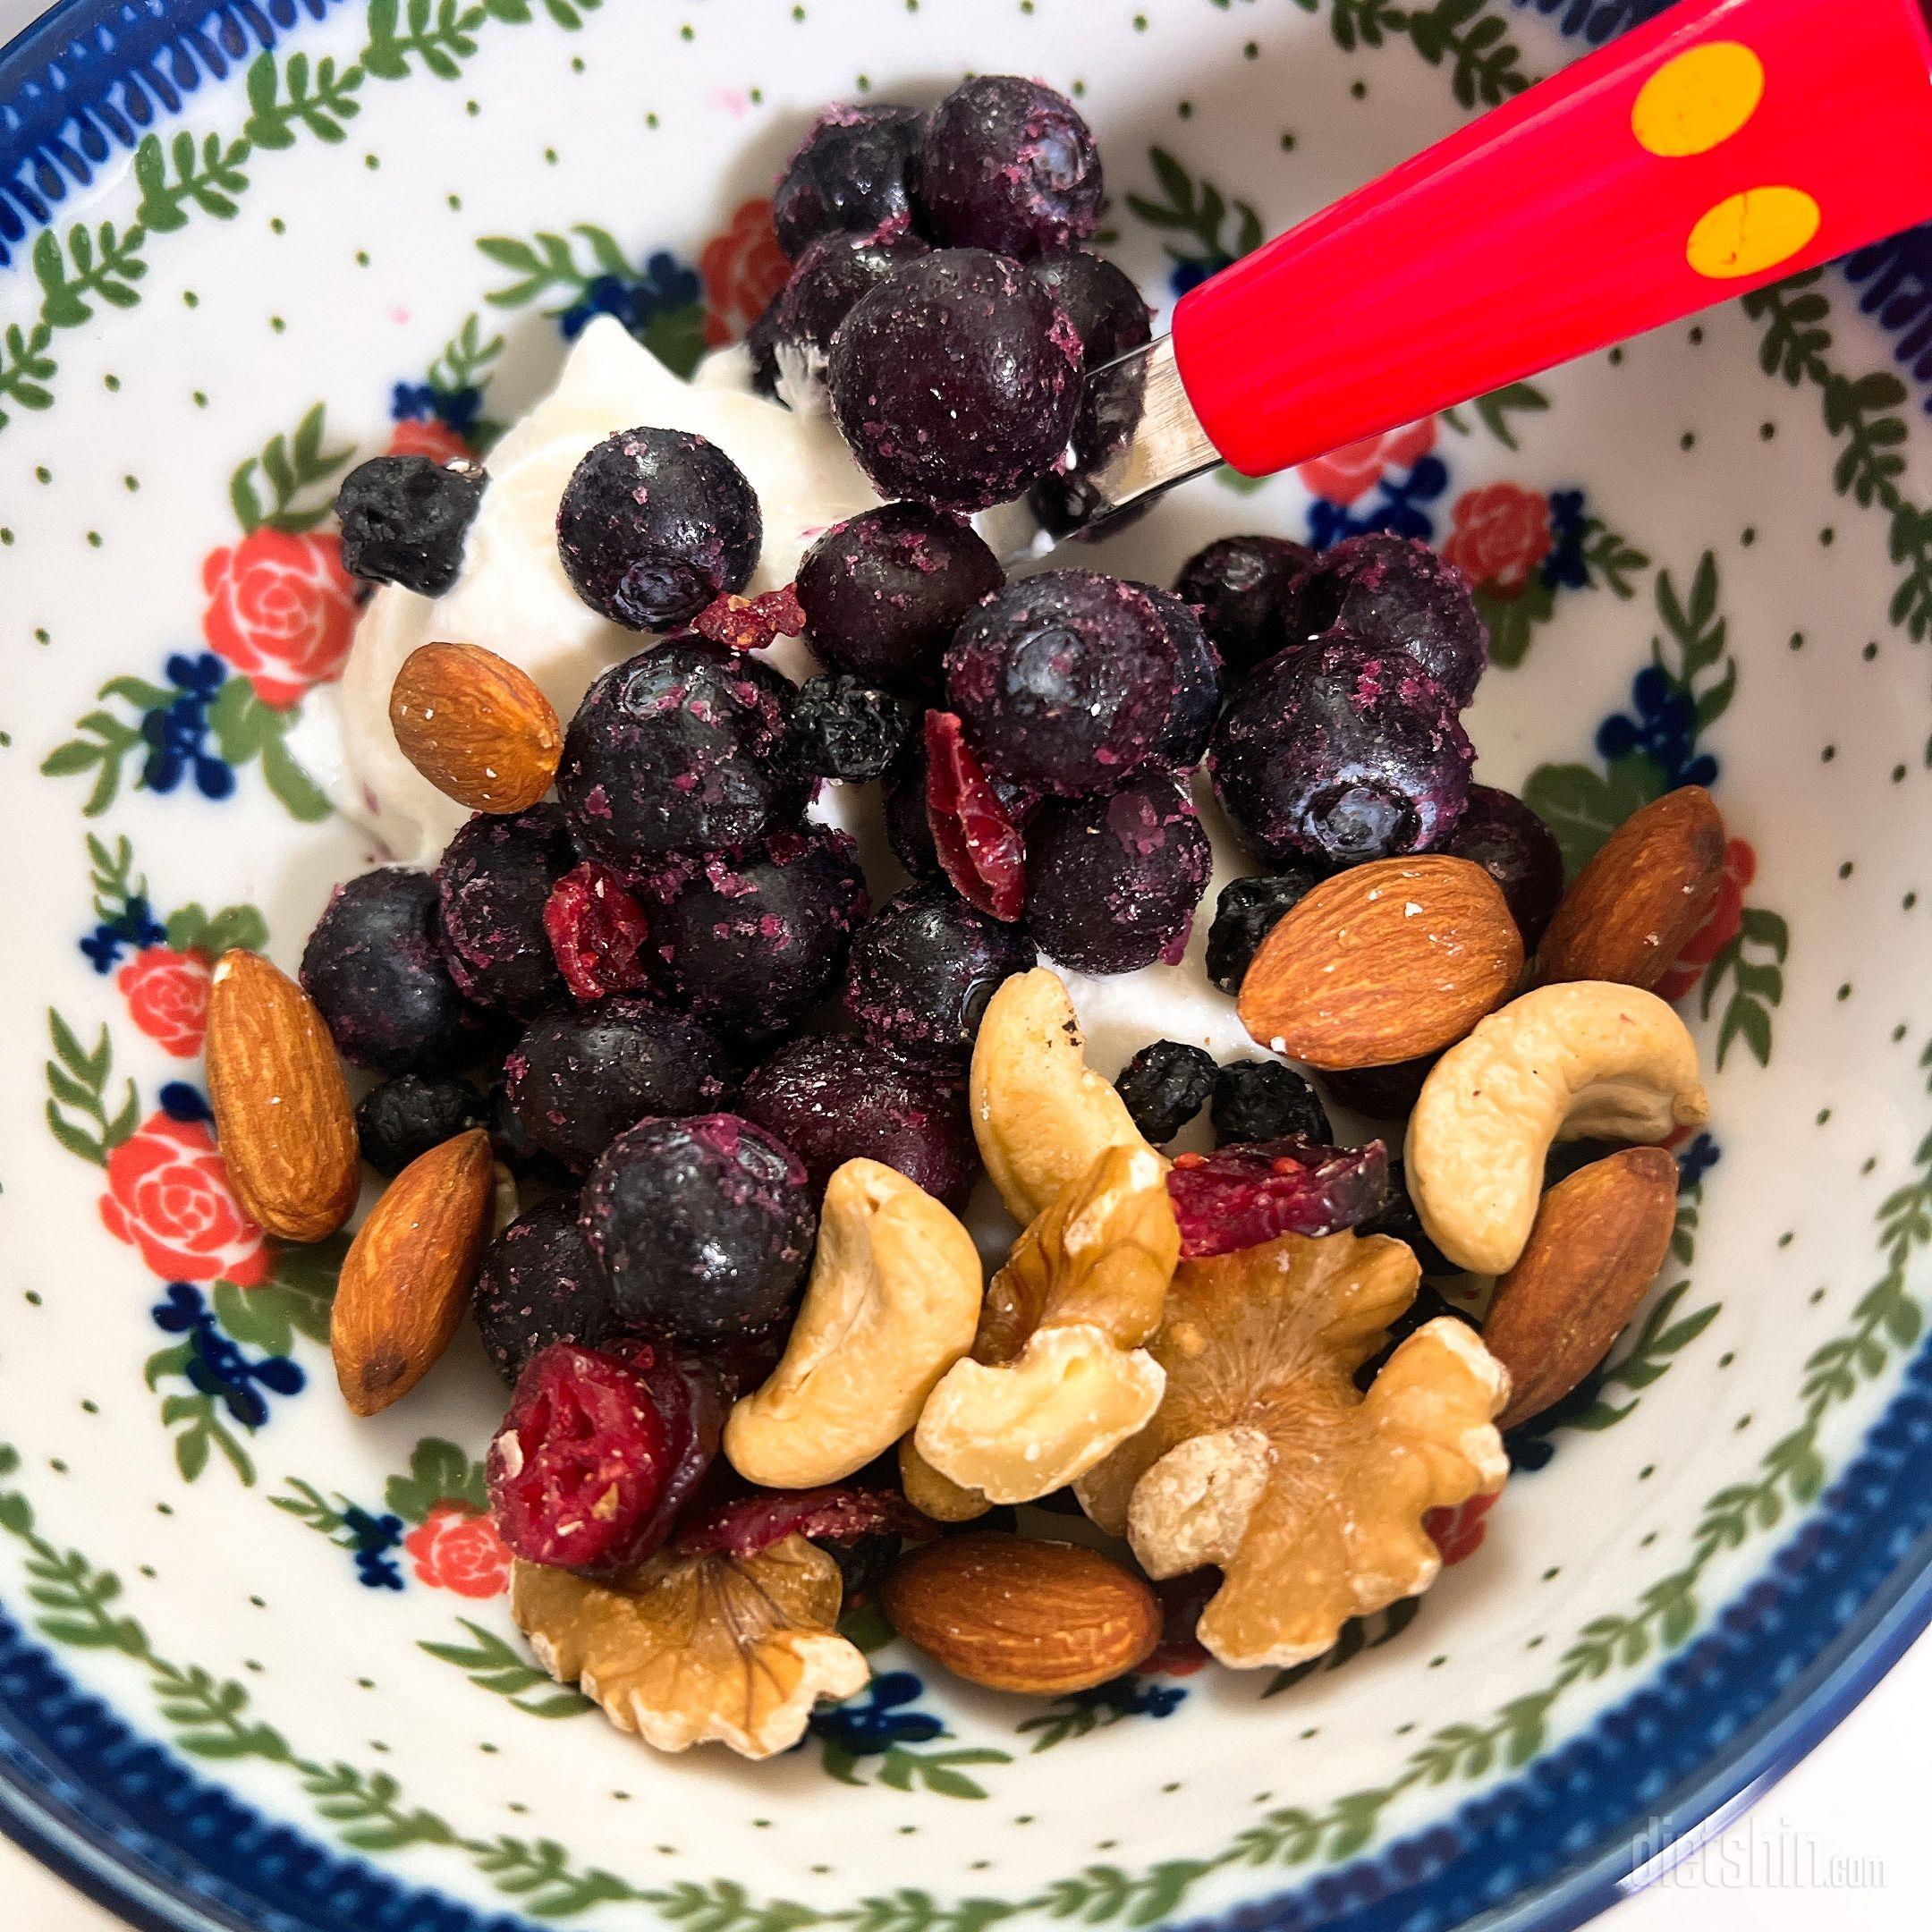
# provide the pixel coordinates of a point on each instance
(750, 623)
(597, 1455)
(597, 931)
(978, 844)
(1243, 1196)
(742, 1526)
(1180, 1652)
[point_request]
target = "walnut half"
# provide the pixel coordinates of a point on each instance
(697, 1646)
(1264, 1459)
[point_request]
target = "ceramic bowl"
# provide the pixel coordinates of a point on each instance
(256, 1663)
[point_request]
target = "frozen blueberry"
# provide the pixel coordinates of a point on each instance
(825, 282)
(751, 941)
(1244, 916)
(400, 1118)
(679, 750)
(922, 970)
(1511, 843)
(1196, 702)
(841, 727)
(1010, 165)
(1165, 1086)
(405, 519)
(1113, 883)
(581, 1076)
(492, 884)
(1397, 592)
(957, 382)
(883, 591)
(761, 348)
(703, 1226)
(854, 170)
(654, 524)
(1069, 680)
(374, 967)
(1342, 751)
(1110, 319)
(1246, 589)
(832, 1098)
(1264, 1100)
(539, 1284)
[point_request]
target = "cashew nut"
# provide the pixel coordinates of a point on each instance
(934, 1495)
(1588, 1059)
(893, 1303)
(1040, 1114)
(1058, 1379)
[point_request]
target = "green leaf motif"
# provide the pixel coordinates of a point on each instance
(1583, 806)
(493, 1664)
(78, 1082)
(1513, 621)
(439, 1472)
(1748, 975)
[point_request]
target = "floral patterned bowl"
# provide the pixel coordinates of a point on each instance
(255, 1662)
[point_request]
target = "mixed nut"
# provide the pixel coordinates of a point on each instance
(712, 1235)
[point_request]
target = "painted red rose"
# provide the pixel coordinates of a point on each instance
(1458, 1532)
(1353, 471)
(1499, 534)
(168, 996)
(457, 1549)
(168, 1195)
(1721, 923)
(281, 609)
(433, 439)
(741, 270)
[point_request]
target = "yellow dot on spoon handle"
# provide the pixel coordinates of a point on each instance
(1746, 233)
(1701, 98)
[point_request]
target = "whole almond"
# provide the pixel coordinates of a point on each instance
(281, 1113)
(407, 1275)
(1015, 1614)
(1600, 1238)
(1386, 961)
(475, 726)
(1644, 894)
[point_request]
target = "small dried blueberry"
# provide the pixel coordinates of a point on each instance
(826, 283)
(654, 523)
(1511, 843)
(1383, 1093)
(493, 882)
(974, 838)
(854, 170)
(841, 727)
(956, 381)
(832, 1098)
(1110, 320)
(1008, 165)
(1397, 592)
(405, 519)
(1165, 1086)
(1068, 680)
(1243, 1196)
(1398, 1218)
(1245, 588)
(597, 932)
(579, 1077)
(923, 968)
(753, 940)
(375, 968)
(597, 1455)
(539, 1283)
(679, 750)
(1113, 883)
(1246, 913)
(1343, 751)
(703, 1226)
(884, 590)
(1264, 1100)
(405, 1116)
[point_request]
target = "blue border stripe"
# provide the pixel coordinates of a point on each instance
(93, 76)
(1777, 1667)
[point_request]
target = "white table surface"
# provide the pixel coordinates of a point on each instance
(1855, 1810)
(1856, 1806)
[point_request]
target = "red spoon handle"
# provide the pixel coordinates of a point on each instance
(1727, 143)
